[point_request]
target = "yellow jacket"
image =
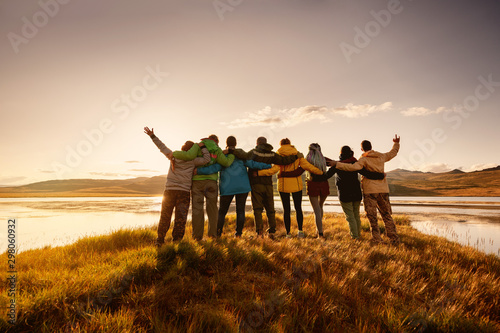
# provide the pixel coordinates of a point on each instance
(290, 184)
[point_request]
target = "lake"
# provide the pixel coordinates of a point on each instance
(473, 221)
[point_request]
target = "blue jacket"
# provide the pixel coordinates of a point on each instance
(233, 179)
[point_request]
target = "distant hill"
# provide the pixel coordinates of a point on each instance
(401, 183)
(142, 186)
(453, 183)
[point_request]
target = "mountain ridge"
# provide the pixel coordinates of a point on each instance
(401, 183)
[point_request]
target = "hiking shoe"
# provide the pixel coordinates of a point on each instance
(301, 234)
(288, 235)
(271, 235)
(321, 235)
(159, 243)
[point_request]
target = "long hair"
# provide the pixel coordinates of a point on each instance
(315, 157)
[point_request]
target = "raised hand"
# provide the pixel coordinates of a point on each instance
(148, 131)
(396, 138)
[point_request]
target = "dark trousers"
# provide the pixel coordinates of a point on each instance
(180, 201)
(263, 198)
(225, 202)
(297, 203)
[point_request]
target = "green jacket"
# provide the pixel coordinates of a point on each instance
(216, 156)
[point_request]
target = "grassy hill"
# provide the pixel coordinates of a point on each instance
(122, 283)
(401, 182)
(453, 183)
(142, 186)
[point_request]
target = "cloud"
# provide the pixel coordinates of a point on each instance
(132, 162)
(291, 117)
(363, 110)
(435, 167)
(143, 170)
(479, 167)
(46, 171)
(419, 111)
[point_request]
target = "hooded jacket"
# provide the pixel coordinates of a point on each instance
(180, 174)
(233, 179)
(290, 184)
(373, 161)
(216, 156)
(263, 153)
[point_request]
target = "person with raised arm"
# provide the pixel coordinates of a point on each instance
(375, 192)
(177, 188)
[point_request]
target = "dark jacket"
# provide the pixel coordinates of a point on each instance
(264, 154)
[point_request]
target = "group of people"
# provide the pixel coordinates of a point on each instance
(194, 173)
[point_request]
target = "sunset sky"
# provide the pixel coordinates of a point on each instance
(80, 79)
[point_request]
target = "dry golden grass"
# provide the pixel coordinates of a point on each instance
(122, 283)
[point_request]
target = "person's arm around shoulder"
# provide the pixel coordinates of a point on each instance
(189, 155)
(331, 172)
(395, 148)
(309, 167)
(371, 174)
(284, 160)
(224, 160)
(208, 170)
(242, 155)
(360, 164)
(203, 159)
(291, 174)
(270, 171)
(256, 165)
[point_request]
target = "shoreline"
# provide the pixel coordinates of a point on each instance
(4, 195)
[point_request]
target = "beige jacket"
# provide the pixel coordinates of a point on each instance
(373, 161)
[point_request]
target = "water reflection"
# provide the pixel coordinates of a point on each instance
(482, 236)
(60, 221)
